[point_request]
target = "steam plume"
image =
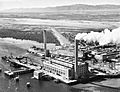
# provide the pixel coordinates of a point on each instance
(103, 37)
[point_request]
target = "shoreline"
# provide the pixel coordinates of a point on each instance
(82, 24)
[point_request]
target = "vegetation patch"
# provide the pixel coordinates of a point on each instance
(28, 35)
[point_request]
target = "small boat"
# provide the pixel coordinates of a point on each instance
(47, 77)
(57, 81)
(9, 73)
(32, 77)
(28, 84)
(0, 69)
(16, 79)
(4, 57)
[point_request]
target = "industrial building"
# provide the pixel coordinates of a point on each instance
(68, 68)
(103, 58)
(64, 68)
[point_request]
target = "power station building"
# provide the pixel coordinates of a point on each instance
(64, 69)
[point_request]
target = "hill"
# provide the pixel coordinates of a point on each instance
(66, 8)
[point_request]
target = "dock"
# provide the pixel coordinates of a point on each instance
(28, 68)
(15, 61)
(18, 72)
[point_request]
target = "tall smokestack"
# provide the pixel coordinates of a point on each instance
(44, 37)
(76, 59)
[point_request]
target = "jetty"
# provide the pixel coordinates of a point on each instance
(18, 72)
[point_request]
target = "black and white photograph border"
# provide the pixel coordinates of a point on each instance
(59, 45)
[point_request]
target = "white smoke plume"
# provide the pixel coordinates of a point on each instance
(103, 37)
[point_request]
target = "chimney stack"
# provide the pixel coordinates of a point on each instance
(76, 59)
(44, 37)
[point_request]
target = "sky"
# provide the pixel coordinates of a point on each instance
(9, 4)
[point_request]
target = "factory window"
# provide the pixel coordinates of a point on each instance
(55, 69)
(45, 67)
(61, 72)
(48, 68)
(58, 71)
(51, 69)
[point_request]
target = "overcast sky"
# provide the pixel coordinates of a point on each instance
(8, 4)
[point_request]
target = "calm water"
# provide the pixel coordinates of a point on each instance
(9, 85)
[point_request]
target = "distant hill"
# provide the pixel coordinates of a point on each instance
(106, 12)
(65, 8)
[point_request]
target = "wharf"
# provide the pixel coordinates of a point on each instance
(29, 68)
(14, 61)
(18, 72)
